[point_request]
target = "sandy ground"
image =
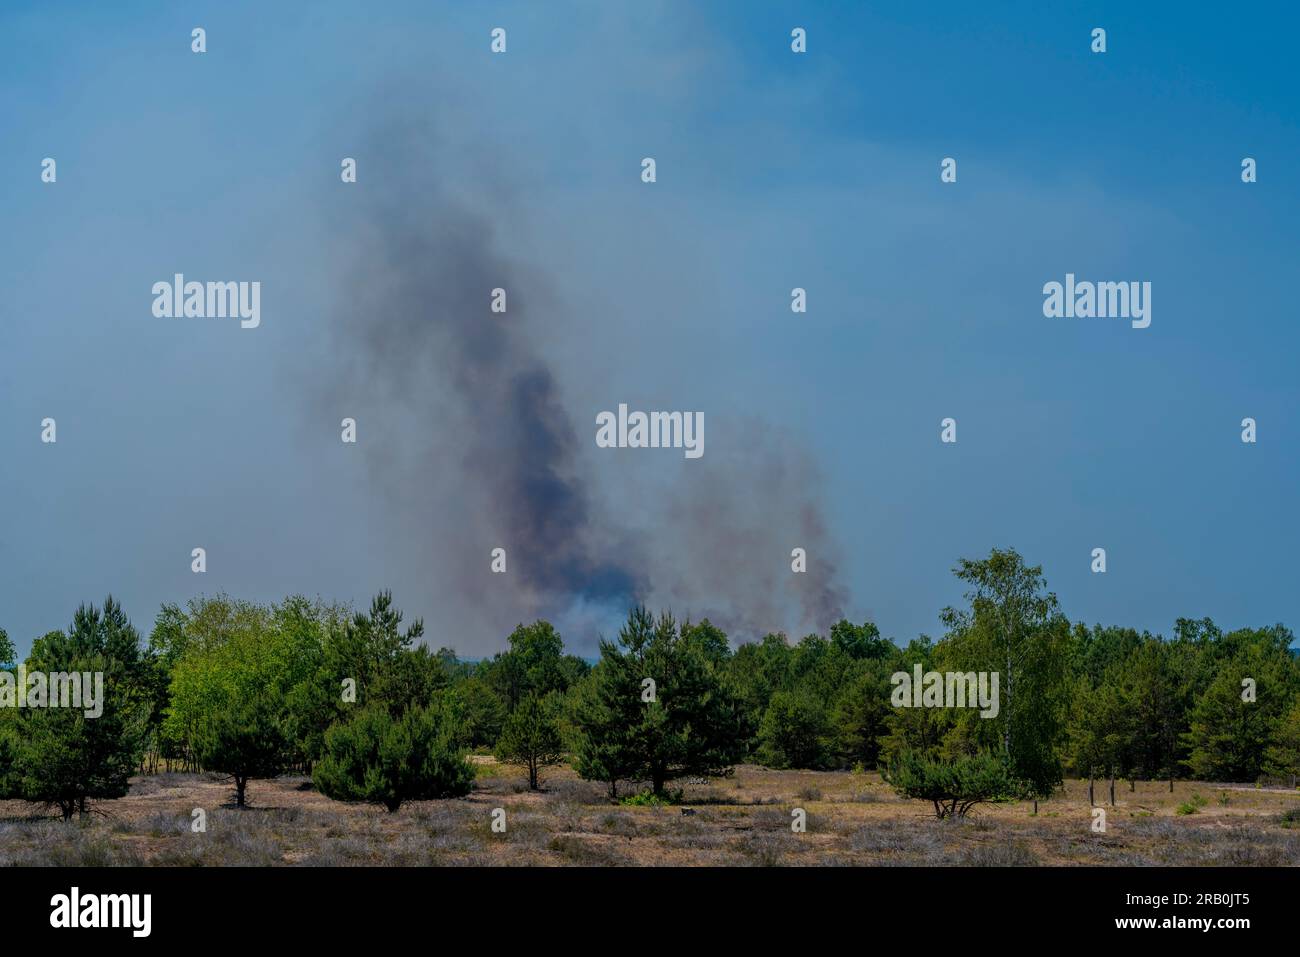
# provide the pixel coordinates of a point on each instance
(746, 819)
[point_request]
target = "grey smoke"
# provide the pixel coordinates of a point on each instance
(471, 444)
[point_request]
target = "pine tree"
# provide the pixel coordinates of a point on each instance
(1283, 754)
(795, 733)
(531, 737)
(62, 757)
(389, 759)
(243, 739)
(1228, 735)
(655, 709)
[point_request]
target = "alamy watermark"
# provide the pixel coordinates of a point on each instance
(953, 689)
(1102, 300)
(212, 300)
(75, 909)
(651, 430)
(54, 689)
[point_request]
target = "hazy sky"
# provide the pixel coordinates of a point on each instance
(775, 170)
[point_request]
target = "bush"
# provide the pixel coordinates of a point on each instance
(1194, 805)
(377, 757)
(954, 787)
(649, 799)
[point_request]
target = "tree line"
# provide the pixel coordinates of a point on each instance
(360, 703)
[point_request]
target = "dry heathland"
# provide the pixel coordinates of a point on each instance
(852, 819)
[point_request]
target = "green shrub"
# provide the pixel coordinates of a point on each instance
(956, 786)
(648, 799)
(377, 757)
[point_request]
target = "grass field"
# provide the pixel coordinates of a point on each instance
(852, 819)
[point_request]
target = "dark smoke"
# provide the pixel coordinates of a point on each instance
(478, 449)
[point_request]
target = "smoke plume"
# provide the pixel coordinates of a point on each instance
(471, 444)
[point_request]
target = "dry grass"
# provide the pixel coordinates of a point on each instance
(852, 819)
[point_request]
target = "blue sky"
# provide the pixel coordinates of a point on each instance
(774, 171)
